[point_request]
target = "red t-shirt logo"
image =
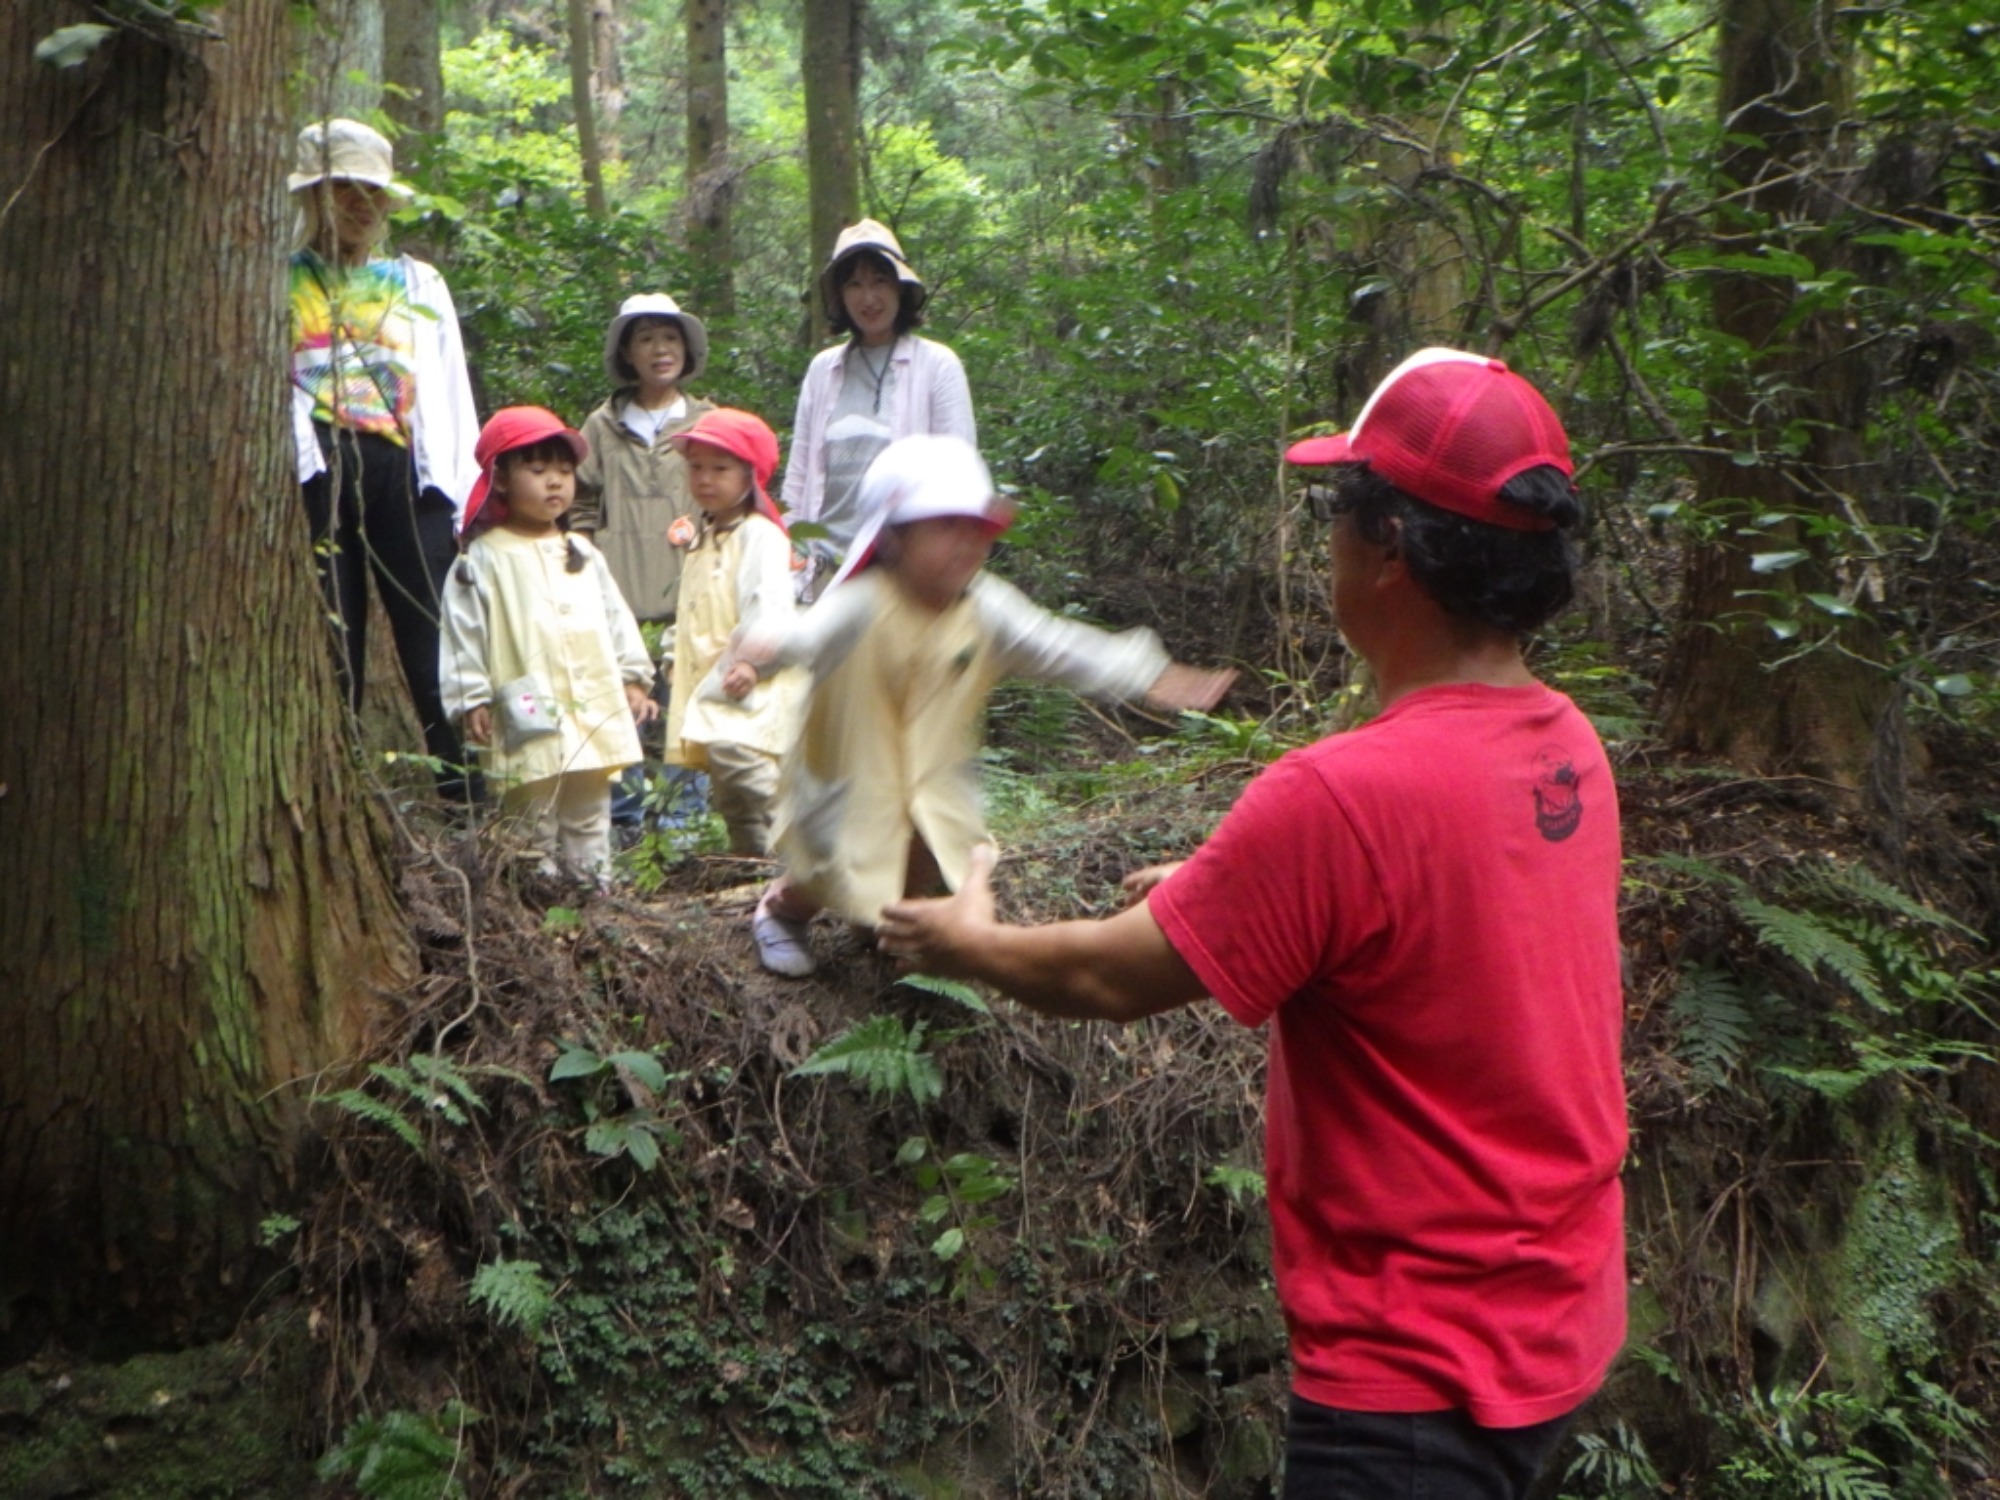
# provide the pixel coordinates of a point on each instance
(1558, 807)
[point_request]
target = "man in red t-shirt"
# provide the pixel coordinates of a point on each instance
(1425, 910)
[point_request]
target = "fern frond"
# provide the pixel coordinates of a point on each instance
(513, 1292)
(442, 1072)
(1715, 1024)
(884, 1057)
(367, 1107)
(950, 989)
(1811, 943)
(1852, 883)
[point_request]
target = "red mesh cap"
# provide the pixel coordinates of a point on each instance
(509, 428)
(743, 435)
(1451, 428)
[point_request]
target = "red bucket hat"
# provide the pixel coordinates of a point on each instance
(743, 435)
(1451, 428)
(509, 428)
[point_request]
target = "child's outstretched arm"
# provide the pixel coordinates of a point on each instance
(818, 638)
(1130, 664)
(1182, 687)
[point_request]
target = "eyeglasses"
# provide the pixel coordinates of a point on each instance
(1325, 501)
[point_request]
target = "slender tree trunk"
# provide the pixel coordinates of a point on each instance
(1782, 93)
(607, 80)
(412, 64)
(413, 96)
(198, 916)
(343, 68)
(582, 43)
(711, 180)
(832, 68)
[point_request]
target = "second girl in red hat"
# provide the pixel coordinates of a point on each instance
(737, 573)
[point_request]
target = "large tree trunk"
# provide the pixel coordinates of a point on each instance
(711, 180)
(582, 64)
(832, 68)
(1782, 94)
(198, 914)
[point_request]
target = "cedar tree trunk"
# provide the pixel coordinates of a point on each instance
(1727, 692)
(198, 914)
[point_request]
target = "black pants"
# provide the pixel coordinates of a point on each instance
(368, 515)
(1334, 1454)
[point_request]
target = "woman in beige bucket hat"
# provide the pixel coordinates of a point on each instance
(881, 383)
(382, 415)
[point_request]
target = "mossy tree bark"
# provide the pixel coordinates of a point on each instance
(1782, 95)
(199, 913)
(831, 62)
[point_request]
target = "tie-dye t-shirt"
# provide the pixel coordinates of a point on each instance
(352, 337)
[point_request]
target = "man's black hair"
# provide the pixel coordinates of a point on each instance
(1492, 575)
(909, 301)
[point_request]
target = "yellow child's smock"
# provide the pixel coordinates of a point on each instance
(738, 576)
(511, 609)
(894, 723)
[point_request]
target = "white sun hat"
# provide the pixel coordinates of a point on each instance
(345, 151)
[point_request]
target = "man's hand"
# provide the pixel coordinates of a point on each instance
(1139, 882)
(644, 708)
(479, 725)
(940, 937)
(1184, 687)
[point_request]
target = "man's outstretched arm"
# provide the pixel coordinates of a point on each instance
(1119, 969)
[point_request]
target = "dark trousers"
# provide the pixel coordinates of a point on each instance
(368, 515)
(1334, 1454)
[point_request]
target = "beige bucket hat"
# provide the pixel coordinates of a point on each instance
(345, 151)
(869, 235)
(653, 305)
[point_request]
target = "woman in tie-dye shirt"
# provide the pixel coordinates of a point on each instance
(383, 416)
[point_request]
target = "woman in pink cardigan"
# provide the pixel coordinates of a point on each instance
(882, 383)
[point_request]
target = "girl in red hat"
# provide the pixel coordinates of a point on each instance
(541, 660)
(737, 572)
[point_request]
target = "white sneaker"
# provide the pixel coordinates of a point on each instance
(781, 944)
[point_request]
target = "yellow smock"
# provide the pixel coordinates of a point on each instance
(894, 722)
(512, 609)
(740, 575)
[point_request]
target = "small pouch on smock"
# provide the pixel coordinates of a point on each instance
(525, 713)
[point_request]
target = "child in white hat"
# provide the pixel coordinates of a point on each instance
(881, 798)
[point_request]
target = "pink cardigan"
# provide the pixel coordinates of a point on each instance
(930, 396)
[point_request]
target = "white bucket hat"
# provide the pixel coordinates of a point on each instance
(653, 305)
(872, 236)
(920, 478)
(345, 151)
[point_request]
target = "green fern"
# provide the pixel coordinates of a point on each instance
(1714, 1023)
(1809, 941)
(1836, 882)
(950, 989)
(513, 1293)
(884, 1056)
(1614, 1463)
(367, 1107)
(401, 1455)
